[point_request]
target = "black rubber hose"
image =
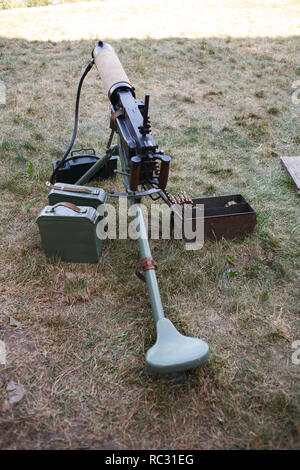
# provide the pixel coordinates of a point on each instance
(61, 162)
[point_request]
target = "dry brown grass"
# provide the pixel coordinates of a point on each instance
(79, 351)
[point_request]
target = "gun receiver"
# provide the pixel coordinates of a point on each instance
(129, 118)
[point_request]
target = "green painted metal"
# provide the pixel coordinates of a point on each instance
(150, 275)
(69, 234)
(174, 352)
(98, 165)
(95, 198)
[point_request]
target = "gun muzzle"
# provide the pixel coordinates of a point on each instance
(110, 69)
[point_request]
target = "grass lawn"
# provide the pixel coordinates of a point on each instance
(221, 107)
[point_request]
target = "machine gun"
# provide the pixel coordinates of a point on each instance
(145, 170)
(143, 165)
(130, 119)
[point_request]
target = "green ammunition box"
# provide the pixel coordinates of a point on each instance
(79, 195)
(69, 231)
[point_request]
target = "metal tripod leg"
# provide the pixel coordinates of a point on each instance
(172, 351)
(98, 165)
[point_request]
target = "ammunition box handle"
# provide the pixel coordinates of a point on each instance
(69, 205)
(72, 190)
(83, 150)
(109, 66)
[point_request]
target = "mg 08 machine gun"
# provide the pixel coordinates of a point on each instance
(145, 170)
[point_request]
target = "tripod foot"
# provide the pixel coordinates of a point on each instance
(174, 352)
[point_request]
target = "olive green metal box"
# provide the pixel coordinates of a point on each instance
(79, 195)
(69, 231)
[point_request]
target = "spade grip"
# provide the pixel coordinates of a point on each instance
(109, 68)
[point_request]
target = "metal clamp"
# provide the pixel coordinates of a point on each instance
(145, 264)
